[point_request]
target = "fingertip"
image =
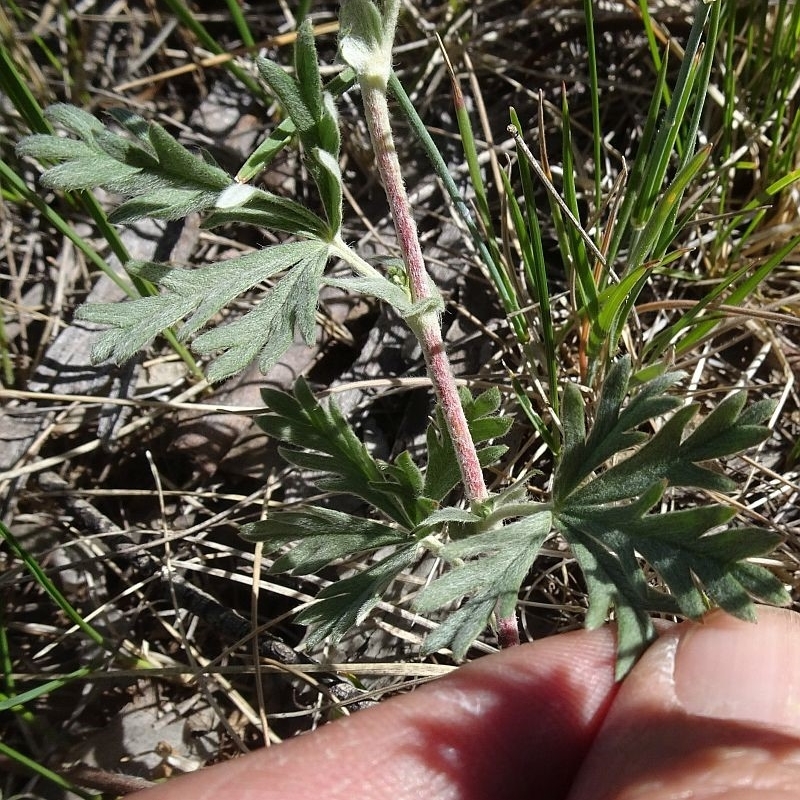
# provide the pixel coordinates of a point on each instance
(514, 725)
(711, 710)
(729, 669)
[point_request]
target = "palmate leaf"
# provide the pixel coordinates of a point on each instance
(442, 472)
(266, 331)
(346, 603)
(322, 440)
(314, 118)
(614, 428)
(321, 535)
(610, 517)
(164, 180)
(161, 177)
(700, 567)
(612, 584)
(607, 517)
(490, 568)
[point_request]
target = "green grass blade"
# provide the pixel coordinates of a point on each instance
(660, 224)
(594, 95)
(638, 169)
(741, 293)
(6, 364)
(701, 83)
(659, 344)
(495, 269)
(187, 18)
(535, 269)
(652, 44)
(16, 89)
(577, 247)
(557, 201)
(760, 207)
(35, 768)
(8, 677)
(237, 15)
(50, 588)
(506, 288)
(470, 151)
(12, 702)
(664, 143)
(725, 143)
(303, 8)
(533, 417)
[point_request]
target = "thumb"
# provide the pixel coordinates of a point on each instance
(712, 710)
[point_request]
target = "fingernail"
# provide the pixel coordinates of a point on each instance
(729, 669)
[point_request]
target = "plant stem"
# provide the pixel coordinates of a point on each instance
(369, 52)
(507, 631)
(426, 326)
(363, 268)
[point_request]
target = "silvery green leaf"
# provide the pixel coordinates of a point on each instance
(380, 287)
(366, 37)
(442, 472)
(307, 69)
(612, 585)
(129, 151)
(490, 568)
(404, 474)
(200, 293)
(434, 303)
(268, 330)
(163, 204)
(133, 123)
(461, 627)
(134, 323)
(186, 167)
(288, 92)
(322, 536)
(74, 119)
(328, 126)
(449, 514)
(46, 147)
(88, 172)
(327, 175)
(722, 433)
(158, 175)
(610, 514)
(322, 440)
(347, 602)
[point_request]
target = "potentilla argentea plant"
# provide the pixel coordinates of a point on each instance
(611, 476)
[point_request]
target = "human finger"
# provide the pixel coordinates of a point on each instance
(512, 725)
(712, 710)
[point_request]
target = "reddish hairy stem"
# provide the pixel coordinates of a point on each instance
(508, 631)
(427, 328)
(441, 374)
